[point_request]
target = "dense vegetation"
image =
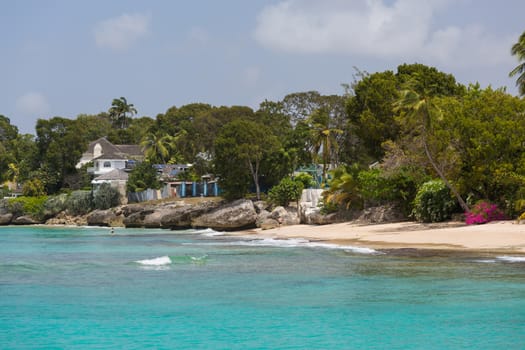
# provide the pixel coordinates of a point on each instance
(414, 125)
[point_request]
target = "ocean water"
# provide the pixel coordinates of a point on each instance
(84, 288)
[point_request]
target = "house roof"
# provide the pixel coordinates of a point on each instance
(111, 151)
(117, 174)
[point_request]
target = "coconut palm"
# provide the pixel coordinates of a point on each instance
(156, 148)
(518, 50)
(323, 138)
(119, 111)
(420, 108)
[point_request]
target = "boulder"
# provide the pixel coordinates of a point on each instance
(153, 220)
(269, 223)
(286, 216)
(381, 215)
(5, 219)
(181, 217)
(261, 216)
(102, 218)
(237, 215)
(25, 220)
(260, 206)
(136, 219)
(63, 218)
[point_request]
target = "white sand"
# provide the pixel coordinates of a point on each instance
(501, 236)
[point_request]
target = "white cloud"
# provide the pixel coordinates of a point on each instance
(121, 32)
(403, 29)
(32, 104)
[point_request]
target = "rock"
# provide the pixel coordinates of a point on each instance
(260, 206)
(181, 217)
(153, 220)
(263, 215)
(269, 223)
(286, 216)
(102, 218)
(308, 205)
(63, 219)
(5, 219)
(233, 216)
(136, 219)
(381, 214)
(25, 220)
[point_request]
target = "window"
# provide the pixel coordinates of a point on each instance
(107, 164)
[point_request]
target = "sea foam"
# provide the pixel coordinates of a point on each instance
(302, 242)
(160, 261)
(512, 259)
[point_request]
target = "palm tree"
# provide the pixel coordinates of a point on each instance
(118, 113)
(421, 108)
(323, 138)
(156, 147)
(518, 50)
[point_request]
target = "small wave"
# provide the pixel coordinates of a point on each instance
(302, 242)
(486, 261)
(512, 259)
(160, 261)
(210, 233)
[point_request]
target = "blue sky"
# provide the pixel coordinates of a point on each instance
(64, 58)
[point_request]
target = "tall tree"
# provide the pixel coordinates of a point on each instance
(422, 110)
(323, 139)
(518, 50)
(240, 149)
(121, 112)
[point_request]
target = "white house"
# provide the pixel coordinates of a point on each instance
(107, 157)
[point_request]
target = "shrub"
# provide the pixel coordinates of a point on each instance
(306, 179)
(106, 197)
(433, 202)
(79, 202)
(483, 212)
(32, 206)
(33, 188)
(285, 192)
(55, 204)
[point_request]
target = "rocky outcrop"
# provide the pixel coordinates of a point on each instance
(286, 216)
(104, 218)
(381, 215)
(182, 217)
(63, 219)
(5, 219)
(25, 220)
(309, 210)
(233, 216)
(268, 224)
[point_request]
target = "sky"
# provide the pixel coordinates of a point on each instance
(65, 58)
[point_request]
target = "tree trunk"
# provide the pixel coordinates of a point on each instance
(461, 202)
(255, 176)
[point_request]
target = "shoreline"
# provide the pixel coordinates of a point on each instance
(500, 237)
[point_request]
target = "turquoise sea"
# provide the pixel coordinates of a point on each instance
(84, 288)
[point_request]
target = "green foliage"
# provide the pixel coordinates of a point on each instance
(33, 188)
(79, 202)
(518, 50)
(306, 179)
(142, 177)
(343, 191)
(32, 206)
(55, 204)
(240, 152)
(106, 197)
(286, 191)
(433, 202)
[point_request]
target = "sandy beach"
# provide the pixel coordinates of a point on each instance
(501, 236)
